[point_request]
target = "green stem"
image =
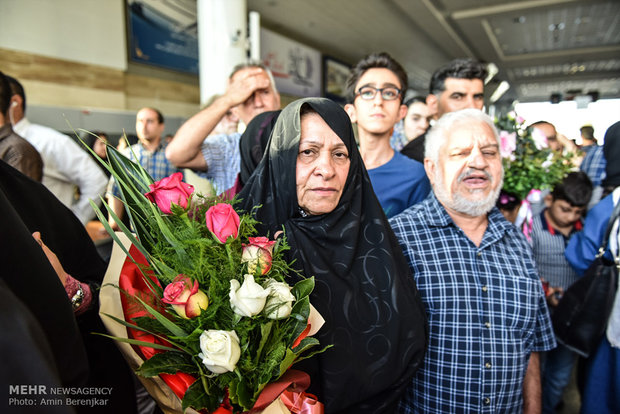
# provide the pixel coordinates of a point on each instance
(230, 259)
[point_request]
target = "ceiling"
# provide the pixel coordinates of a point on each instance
(541, 47)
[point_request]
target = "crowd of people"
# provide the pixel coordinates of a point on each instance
(434, 300)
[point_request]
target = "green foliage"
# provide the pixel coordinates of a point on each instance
(532, 165)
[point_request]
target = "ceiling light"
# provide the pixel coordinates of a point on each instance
(501, 89)
(492, 70)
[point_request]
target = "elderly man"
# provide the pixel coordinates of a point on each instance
(487, 313)
(250, 91)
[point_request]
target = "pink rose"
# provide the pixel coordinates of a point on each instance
(185, 297)
(257, 254)
(222, 221)
(508, 144)
(170, 190)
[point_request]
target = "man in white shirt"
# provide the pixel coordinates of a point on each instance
(65, 165)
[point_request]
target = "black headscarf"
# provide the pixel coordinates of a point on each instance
(364, 289)
(253, 142)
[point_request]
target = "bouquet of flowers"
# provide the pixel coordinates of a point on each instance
(529, 164)
(205, 300)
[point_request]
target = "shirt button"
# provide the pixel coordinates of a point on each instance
(484, 288)
(479, 254)
(486, 401)
(487, 324)
(487, 365)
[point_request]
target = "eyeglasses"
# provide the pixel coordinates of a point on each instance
(389, 93)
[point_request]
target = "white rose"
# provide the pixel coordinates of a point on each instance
(247, 299)
(220, 350)
(280, 300)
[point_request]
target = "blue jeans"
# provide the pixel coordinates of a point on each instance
(556, 368)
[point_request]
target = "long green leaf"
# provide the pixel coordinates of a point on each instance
(139, 343)
(168, 324)
(167, 363)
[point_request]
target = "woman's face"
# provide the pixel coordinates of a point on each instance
(322, 166)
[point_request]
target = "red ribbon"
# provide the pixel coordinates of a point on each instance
(290, 388)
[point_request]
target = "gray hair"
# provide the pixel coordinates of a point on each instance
(438, 134)
(255, 64)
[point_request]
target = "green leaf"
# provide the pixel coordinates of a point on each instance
(197, 398)
(139, 343)
(168, 324)
(167, 363)
(303, 288)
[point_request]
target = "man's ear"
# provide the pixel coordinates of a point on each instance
(548, 200)
(402, 112)
(429, 167)
(352, 112)
(432, 101)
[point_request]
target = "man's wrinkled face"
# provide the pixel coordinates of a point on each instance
(468, 175)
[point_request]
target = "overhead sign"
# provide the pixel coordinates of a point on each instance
(295, 66)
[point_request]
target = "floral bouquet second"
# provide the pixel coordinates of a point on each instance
(205, 301)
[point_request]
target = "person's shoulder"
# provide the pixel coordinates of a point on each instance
(416, 215)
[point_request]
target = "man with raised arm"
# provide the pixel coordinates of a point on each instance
(250, 91)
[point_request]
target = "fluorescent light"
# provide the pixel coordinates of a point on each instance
(501, 89)
(492, 71)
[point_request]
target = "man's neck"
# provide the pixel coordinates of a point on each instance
(151, 145)
(473, 227)
(375, 149)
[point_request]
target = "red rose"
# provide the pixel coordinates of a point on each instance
(185, 297)
(170, 190)
(222, 221)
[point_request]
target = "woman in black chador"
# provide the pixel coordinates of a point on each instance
(312, 181)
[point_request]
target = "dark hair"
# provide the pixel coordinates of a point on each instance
(5, 94)
(375, 60)
(160, 117)
(418, 98)
(587, 132)
(575, 188)
(541, 122)
(17, 89)
(459, 69)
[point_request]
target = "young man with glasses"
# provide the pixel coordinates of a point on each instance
(375, 91)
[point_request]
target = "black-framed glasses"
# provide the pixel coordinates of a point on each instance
(389, 93)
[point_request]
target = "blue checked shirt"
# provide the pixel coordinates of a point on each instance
(155, 163)
(486, 311)
(593, 164)
(221, 152)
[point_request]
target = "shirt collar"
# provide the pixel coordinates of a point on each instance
(497, 226)
(548, 227)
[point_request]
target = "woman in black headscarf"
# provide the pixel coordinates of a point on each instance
(313, 182)
(252, 146)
